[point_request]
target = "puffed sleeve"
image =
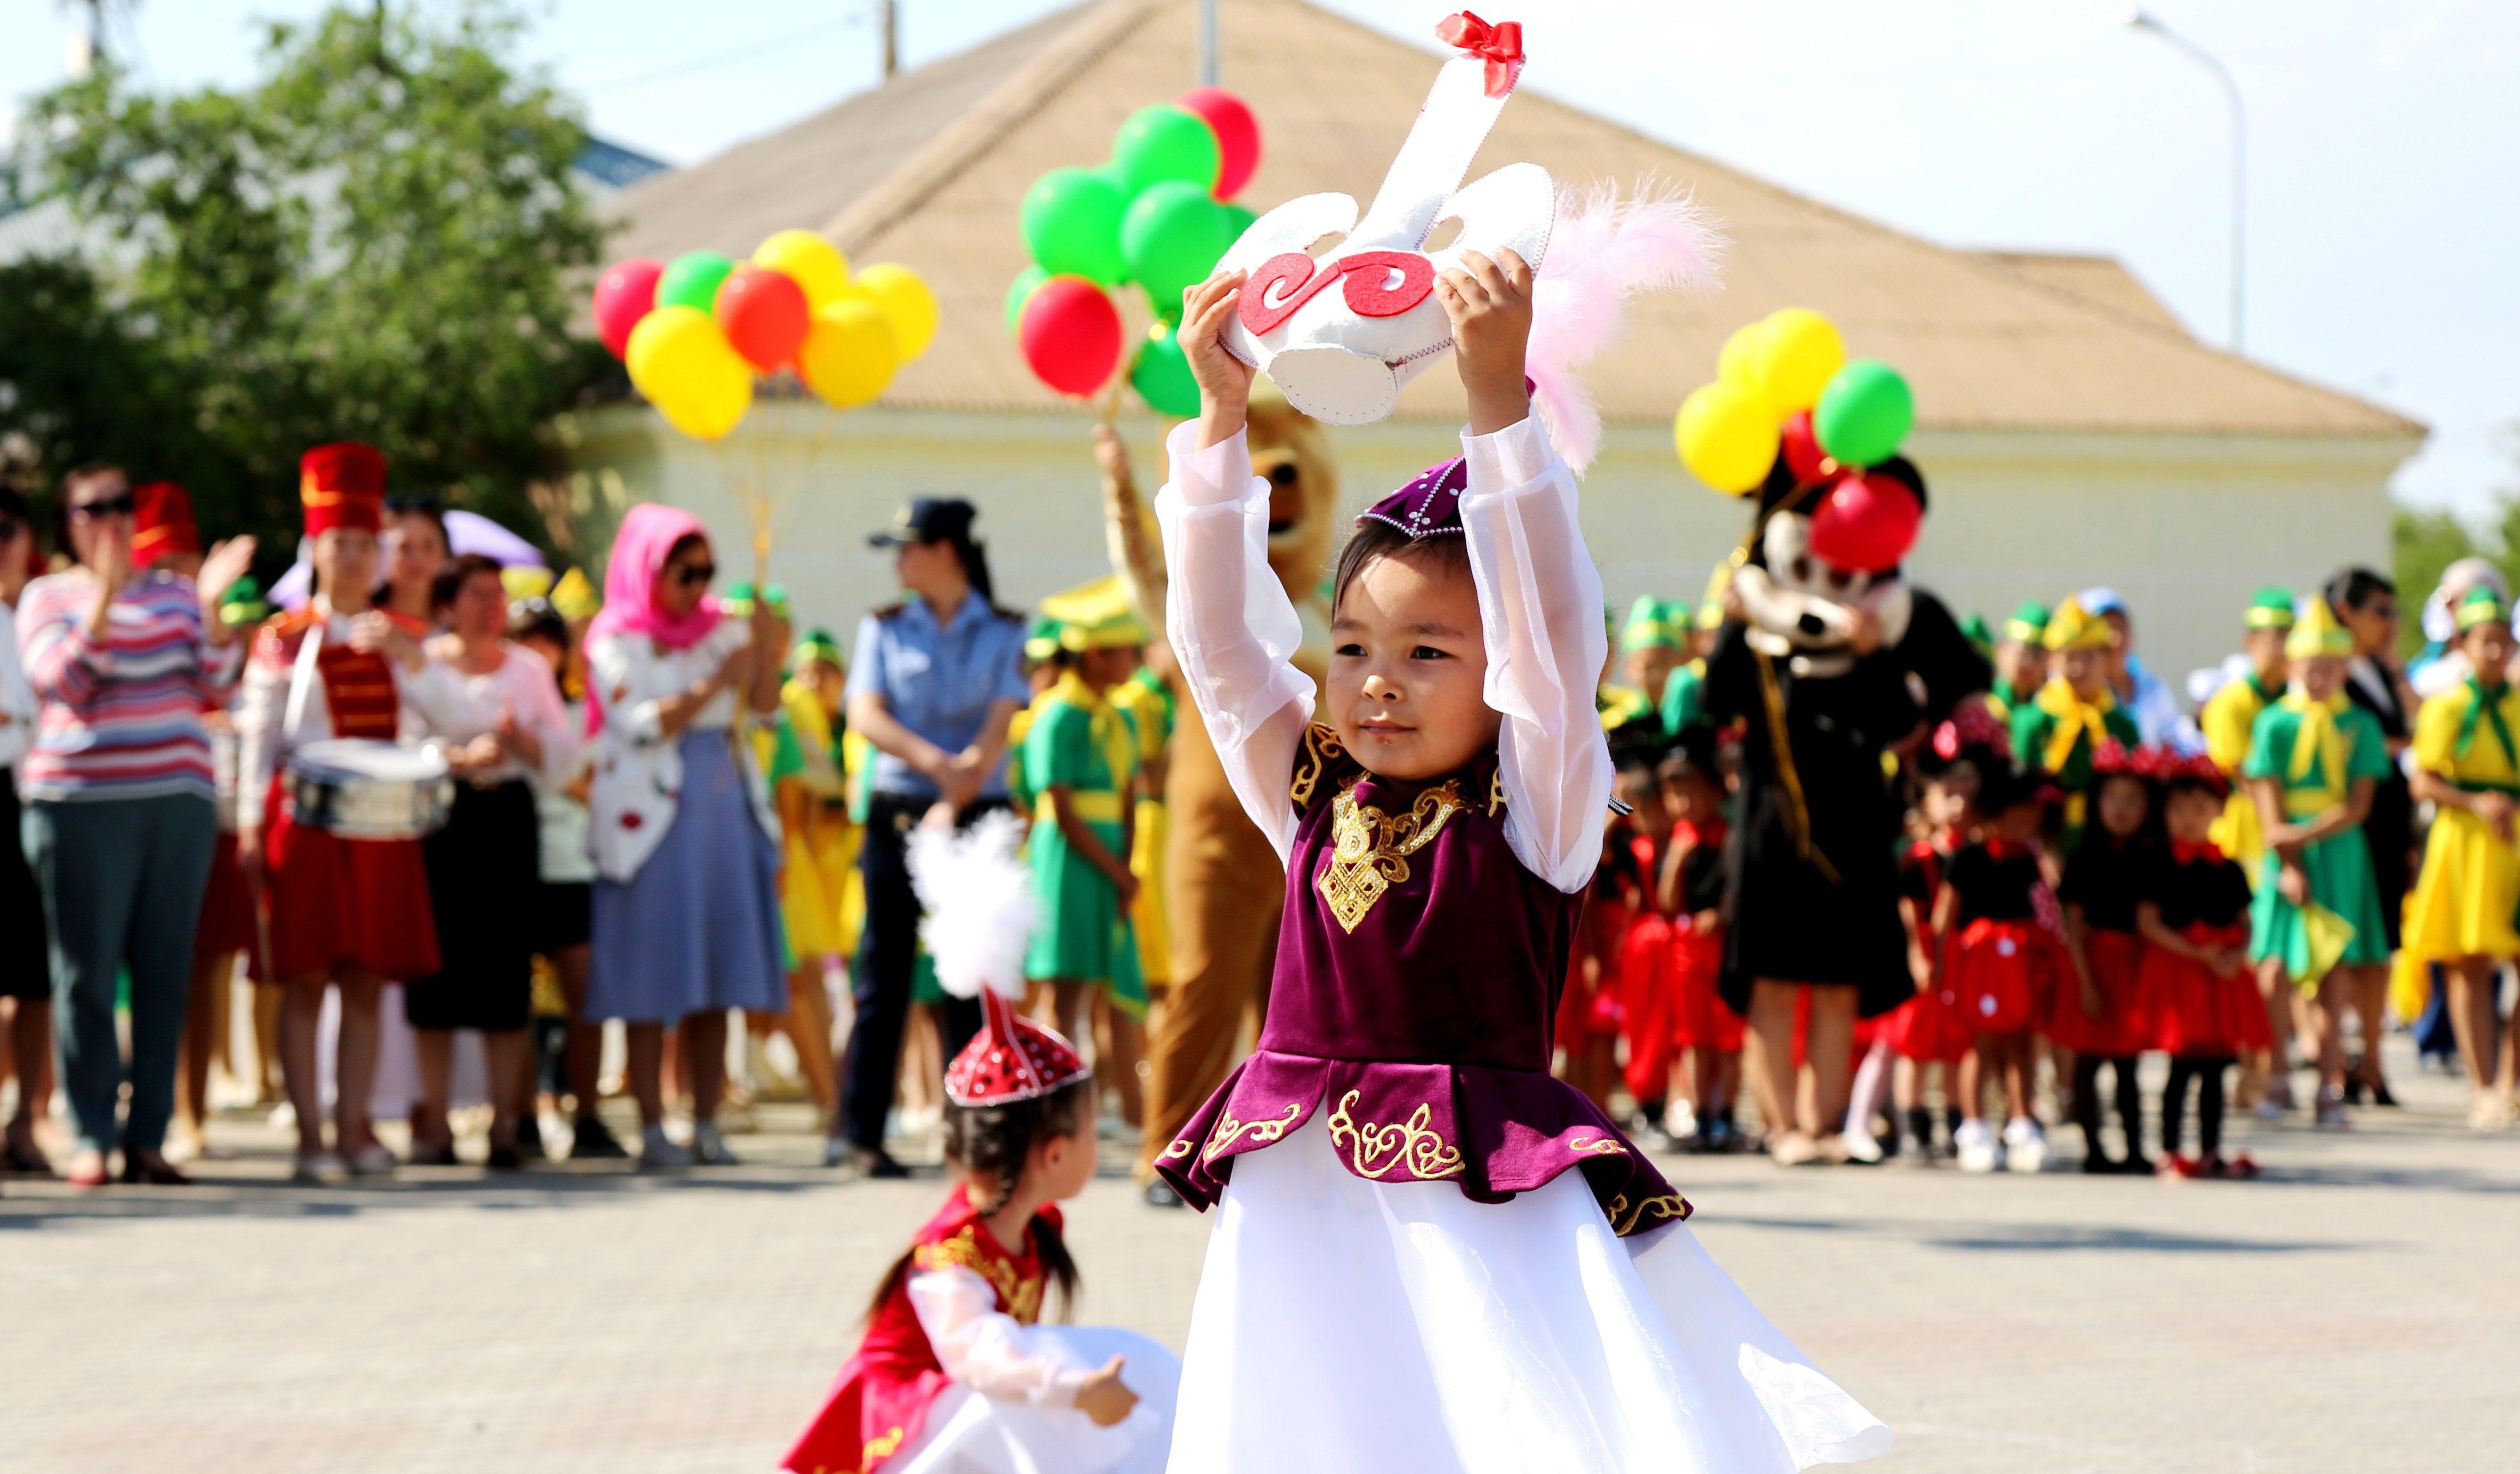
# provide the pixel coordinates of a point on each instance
(620, 668)
(982, 1347)
(1540, 606)
(1232, 626)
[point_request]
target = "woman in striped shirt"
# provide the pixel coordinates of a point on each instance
(119, 817)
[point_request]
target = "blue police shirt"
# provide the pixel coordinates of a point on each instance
(939, 682)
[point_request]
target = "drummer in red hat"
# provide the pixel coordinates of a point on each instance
(343, 911)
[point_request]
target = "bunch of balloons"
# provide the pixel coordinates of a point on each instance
(695, 330)
(1158, 216)
(1785, 386)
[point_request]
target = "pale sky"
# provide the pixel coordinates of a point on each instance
(2384, 138)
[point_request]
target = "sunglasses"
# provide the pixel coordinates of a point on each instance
(124, 505)
(694, 575)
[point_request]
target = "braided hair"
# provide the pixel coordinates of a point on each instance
(996, 1142)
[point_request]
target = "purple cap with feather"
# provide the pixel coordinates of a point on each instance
(1429, 505)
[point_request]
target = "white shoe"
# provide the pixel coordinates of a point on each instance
(373, 1160)
(657, 1151)
(1975, 1146)
(709, 1149)
(1679, 1120)
(2025, 1146)
(2331, 1111)
(319, 1170)
(1862, 1147)
(2489, 1112)
(2271, 1110)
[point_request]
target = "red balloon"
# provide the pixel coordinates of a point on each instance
(1070, 334)
(764, 315)
(1867, 522)
(1238, 135)
(1802, 452)
(627, 293)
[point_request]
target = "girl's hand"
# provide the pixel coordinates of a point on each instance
(372, 633)
(1224, 381)
(2292, 882)
(1105, 1398)
(2226, 963)
(1489, 303)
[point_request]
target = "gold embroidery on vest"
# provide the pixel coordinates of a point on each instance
(1607, 1146)
(1018, 1296)
(880, 1448)
(1370, 848)
(1496, 792)
(1410, 1147)
(1180, 1148)
(1624, 1222)
(1228, 1129)
(1320, 745)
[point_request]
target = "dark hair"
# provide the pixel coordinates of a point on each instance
(1374, 538)
(2353, 588)
(535, 619)
(452, 578)
(423, 507)
(1693, 755)
(997, 1141)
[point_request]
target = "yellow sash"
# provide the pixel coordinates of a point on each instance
(1110, 734)
(2317, 742)
(2076, 719)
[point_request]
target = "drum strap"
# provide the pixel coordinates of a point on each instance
(302, 680)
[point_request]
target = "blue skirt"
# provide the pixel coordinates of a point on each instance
(698, 928)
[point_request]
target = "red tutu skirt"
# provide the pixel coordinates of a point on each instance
(2125, 1026)
(1998, 974)
(345, 903)
(1704, 1020)
(1648, 1005)
(2196, 1014)
(1929, 1027)
(227, 923)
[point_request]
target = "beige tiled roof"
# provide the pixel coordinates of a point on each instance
(928, 170)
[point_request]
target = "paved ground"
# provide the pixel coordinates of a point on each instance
(2358, 1308)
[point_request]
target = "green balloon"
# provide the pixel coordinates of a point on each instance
(1863, 413)
(1071, 225)
(1162, 378)
(691, 280)
(1171, 237)
(1019, 291)
(1166, 141)
(1236, 218)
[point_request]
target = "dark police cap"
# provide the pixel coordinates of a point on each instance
(927, 519)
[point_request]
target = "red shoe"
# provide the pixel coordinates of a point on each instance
(2178, 1168)
(2240, 1169)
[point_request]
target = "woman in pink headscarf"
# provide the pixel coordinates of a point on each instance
(686, 906)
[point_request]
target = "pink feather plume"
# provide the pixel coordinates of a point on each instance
(1603, 251)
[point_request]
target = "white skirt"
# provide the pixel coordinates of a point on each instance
(969, 1434)
(1344, 1324)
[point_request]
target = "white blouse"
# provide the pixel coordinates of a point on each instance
(985, 1347)
(638, 785)
(266, 736)
(1540, 609)
(18, 710)
(463, 706)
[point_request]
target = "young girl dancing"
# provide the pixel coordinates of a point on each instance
(1928, 1029)
(1998, 954)
(2194, 916)
(1407, 1275)
(955, 1376)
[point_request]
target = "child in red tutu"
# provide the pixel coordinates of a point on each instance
(2195, 979)
(1927, 1029)
(2099, 1013)
(1997, 943)
(1691, 893)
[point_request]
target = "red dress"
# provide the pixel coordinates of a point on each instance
(1998, 968)
(340, 903)
(2195, 1013)
(1928, 1026)
(2105, 877)
(881, 1399)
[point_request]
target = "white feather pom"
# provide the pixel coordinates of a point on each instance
(977, 893)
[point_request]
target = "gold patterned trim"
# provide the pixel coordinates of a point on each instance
(1496, 792)
(1017, 1295)
(1228, 1129)
(878, 1448)
(1624, 1221)
(1410, 1147)
(1605, 1147)
(1180, 1148)
(1321, 747)
(1370, 848)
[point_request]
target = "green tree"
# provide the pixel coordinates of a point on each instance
(381, 240)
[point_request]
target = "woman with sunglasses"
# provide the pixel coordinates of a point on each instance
(686, 843)
(2367, 605)
(120, 813)
(25, 964)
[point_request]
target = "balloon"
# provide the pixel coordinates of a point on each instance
(1726, 436)
(1236, 220)
(1732, 365)
(626, 293)
(848, 355)
(1162, 378)
(1019, 291)
(680, 360)
(764, 315)
(1865, 413)
(815, 262)
(1072, 224)
(1171, 237)
(1797, 351)
(1867, 522)
(1238, 135)
(1071, 334)
(1801, 450)
(691, 280)
(1166, 141)
(905, 303)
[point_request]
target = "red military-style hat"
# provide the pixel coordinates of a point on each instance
(342, 485)
(162, 523)
(1011, 1058)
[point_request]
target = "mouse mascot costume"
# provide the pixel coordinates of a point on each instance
(1829, 660)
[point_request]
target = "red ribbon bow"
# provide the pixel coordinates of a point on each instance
(1500, 44)
(2186, 853)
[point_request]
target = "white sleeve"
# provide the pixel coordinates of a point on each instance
(1540, 603)
(1232, 626)
(430, 699)
(618, 670)
(260, 705)
(532, 694)
(982, 1347)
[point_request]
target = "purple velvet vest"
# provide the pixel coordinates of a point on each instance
(1418, 968)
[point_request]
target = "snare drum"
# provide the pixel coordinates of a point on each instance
(362, 788)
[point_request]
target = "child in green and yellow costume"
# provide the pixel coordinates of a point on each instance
(1651, 646)
(2230, 717)
(1148, 700)
(2316, 920)
(2063, 727)
(2461, 914)
(818, 844)
(2020, 661)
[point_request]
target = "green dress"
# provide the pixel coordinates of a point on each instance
(1083, 744)
(2339, 866)
(1683, 699)
(2037, 730)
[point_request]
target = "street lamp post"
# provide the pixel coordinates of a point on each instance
(2143, 20)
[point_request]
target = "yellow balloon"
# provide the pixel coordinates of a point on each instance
(814, 263)
(848, 355)
(1732, 365)
(1726, 436)
(1797, 353)
(907, 304)
(682, 363)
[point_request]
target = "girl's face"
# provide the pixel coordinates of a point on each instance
(2266, 650)
(2085, 670)
(345, 567)
(1691, 798)
(2320, 675)
(416, 550)
(1649, 666)
(2023, 664)
(2122, 805)
(479, 611)
(686, 577)
(1639, 792)
(2016, 823)
(2489, 647)
(1407, 668)
(1946, 799)
(1105, 668)
(2190, 812)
